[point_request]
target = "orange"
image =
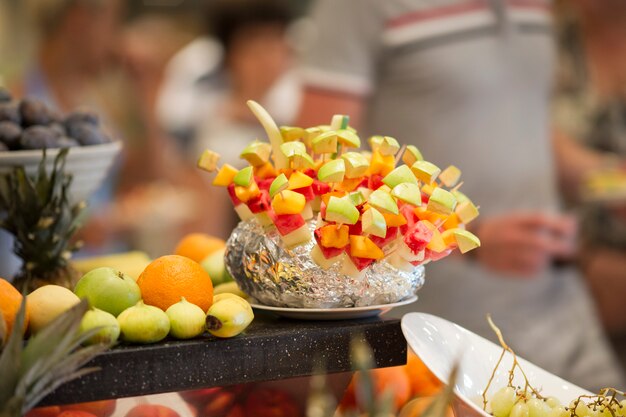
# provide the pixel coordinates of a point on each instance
(423, 382)
(10, 300)
(417, 406)
(393, 380)
(168, 278)
(198, 246)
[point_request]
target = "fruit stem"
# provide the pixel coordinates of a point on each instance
(213, 323)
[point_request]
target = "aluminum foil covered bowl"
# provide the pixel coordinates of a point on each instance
(280, 277)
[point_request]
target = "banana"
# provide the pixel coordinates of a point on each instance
(228, 316)
(130, 263)
(229, 287)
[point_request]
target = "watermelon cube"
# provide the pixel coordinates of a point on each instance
(264, 184)
(435, 256)
(233, 197)
(417, 237)
(260, 203)
(361, 263)
(381, 242)
(375, 182)
(287, 223)
(320, 188)
(307, 192)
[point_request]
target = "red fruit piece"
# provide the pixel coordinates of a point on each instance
(390, 236)
(407, 211)
(307, 192)
(264, 184)
(310, 172)
(287, 223)
(233, 197)
(220, 404)
(361, 263)
(327, 252)
(435, 256)
(375, 182)
(50, 411)
(147, 410)
(103, 408)
(260, 203)
(320, 188)
(417, 237)
(355, 229)
(425, 198)
(77, 413)
(199, 396)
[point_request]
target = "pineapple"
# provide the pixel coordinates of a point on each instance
(50, 358)
(40, 216)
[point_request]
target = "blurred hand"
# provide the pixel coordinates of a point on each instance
(524, 244)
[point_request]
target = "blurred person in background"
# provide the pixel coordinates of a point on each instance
(590, 106)
(469, 83)
(246, 56)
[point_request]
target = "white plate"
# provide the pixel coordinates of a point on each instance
(333, 313)
(440, 343)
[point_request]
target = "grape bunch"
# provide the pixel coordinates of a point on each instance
(511, 402)
(30, 124)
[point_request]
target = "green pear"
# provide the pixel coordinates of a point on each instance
(356, 164)
(109, 327)
(257, 153)
(279, 184)
(373, 222)
(383, 201)
(441, 201)
(399, 175)
(411, 155)
(244, 177)
(143, 323)
(341, 210)
(332, 171)
(187, 320)
(407, 192)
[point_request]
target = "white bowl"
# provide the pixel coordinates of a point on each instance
(89, 165)
(440, 344)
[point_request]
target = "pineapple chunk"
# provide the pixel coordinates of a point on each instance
(436, 243)
(246, 193)
(299, 180)
(225, 175)
(381, 164)
(288, 202)
(333, 236)
(363, 247)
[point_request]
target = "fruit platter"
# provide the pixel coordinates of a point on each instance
(325, 225)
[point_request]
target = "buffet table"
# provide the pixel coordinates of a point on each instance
(271, 349)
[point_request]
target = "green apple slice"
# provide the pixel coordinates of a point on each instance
(339, 121)
(290, 133)
(311, 133)
(257, 153)
(408, 192)
(373, 222)
(411, 155)
(460, 197)
(441, 201)
(280, 183)
(383, 201)
(325, 142)
(356, 164)
(450, 176)
(290, 149)
(388, 146)
(375, 142)
(356, 197)
(341, 210)
(302, 161)
(399, 175)
(208, 161)
(425, 171)
(244, 177)
(348, 138)
(466, 211)
(466, 240)
(332, 171)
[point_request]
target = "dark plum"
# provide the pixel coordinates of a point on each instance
(34, 113)
(87, 134)
(10, 112)
(39, 137)
(10, 134)
(5, 96)
(82, 116)
(59, 128)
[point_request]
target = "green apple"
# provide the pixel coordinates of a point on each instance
(208, 161)
(441, 201)
(407, 192)
(375, 142)
(257, 153)
(356, 197)
(373, 222)
(290, 133)
(311, 133)
(348, 138)
(332, 171)
(383, 201)
(244, 177)
(302, 161)
(216, 268)
(341, 210)
(187, 320)
(108, 290)
(399, 175)
(143, 323)
(289, 149)
(109, 327)
(466, 240)
(356, 164)
(425, 171)
(325, 142)
(450, 176)
(388, 146)
(279, 184)
(411, 155)
(466, 211)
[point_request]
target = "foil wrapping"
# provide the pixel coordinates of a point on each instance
(281, 277)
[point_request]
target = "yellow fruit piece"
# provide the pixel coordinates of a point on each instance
(466, 211)
(349, 184)
(247, 193)
(265, 171)
(466, 240)
(436, 243)
(425, 171)
(46, 303)
(225, 176)
(450, 176)
(381, 164)
(288, 202)
(394, 220)
(448, 237)
(299, 180)
(452, 222)
(428, 189)
(208, 160)
(333, 236)
(423, 213)
(363, 247)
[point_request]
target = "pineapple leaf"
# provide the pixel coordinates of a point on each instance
(10, 359)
